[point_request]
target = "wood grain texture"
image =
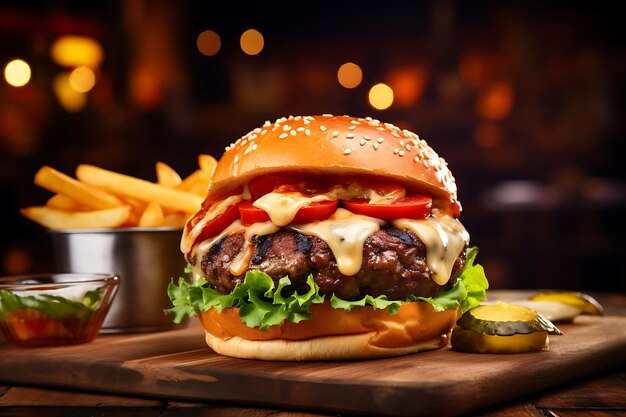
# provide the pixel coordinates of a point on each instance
(178, 365)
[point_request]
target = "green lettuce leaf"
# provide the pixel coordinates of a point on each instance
(262, 304)
(52, 306)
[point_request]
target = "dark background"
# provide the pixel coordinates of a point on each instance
(524, 99)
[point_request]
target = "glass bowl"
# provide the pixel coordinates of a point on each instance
(54, 309)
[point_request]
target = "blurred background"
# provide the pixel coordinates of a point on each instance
(524, 99)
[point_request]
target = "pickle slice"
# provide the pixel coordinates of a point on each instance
(505, 319)
(586, 303)
(502, 328)
(473, 342)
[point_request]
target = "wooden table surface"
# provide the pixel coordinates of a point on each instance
(599, 394)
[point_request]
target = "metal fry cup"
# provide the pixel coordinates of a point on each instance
(145, 259)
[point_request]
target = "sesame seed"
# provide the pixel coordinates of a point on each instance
(366, 137)
(352, 127)
(416, 159)
(282, 119)
(396, 150)
(393, 132)
(254, 147)
(327, 115)
(354, 122)
(350, 135)
(263, 132)
(236, 159)
(297, 118)
(267, 123)
(283, 135)
(286, 128)
(380, 140)
(362, 142)
(408, 147)
(300, 129)
(323, 128)
(307, 122)
(293, 133)
(368, 118)
(335, 133)
(376, 146)
(401, 153)
(347, 151)
(307, 132)
(243, 142)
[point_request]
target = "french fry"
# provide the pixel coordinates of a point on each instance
(207, 164)
(191, 180)
(59, 219)
(136, 210)
(175, 219)
(197, 183)
(57, 182)
(152, 216)
(63, 202)
(167, 176)
(140, 189)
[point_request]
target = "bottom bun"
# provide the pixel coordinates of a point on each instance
(332, 334)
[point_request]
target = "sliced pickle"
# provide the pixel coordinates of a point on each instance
(505, 319)
(474, 342)
(586, 303)
(502, 328)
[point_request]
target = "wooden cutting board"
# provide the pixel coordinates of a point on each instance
(178, 365)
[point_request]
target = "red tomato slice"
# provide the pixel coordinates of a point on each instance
(414, 206)
(260, 186)
(219, 223)
(315, 211)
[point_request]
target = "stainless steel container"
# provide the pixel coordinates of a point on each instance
(145, 259)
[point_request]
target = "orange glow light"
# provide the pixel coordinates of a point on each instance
(82, 79)
(408, 84)
(380, 96)
(77, 51)
(349, 75)
(496, 101)
(70, 99)
(251, 42)
(209, 43)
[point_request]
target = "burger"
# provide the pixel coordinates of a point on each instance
(328, 238)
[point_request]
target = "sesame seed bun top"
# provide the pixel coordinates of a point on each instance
(336, 145)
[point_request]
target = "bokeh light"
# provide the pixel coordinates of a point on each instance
(209, 43)
(70, 99)
(496, 101)
(252, 42)
(349, 75)
(82, 79)
(17, 73)
(380, 96)
(407, 83)
(77, 51)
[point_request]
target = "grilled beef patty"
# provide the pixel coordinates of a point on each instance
(394, 264)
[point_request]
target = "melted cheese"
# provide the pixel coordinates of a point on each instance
(282, 207)
(345, 233)
(188, 239)
(241, 261)
(444, 237)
